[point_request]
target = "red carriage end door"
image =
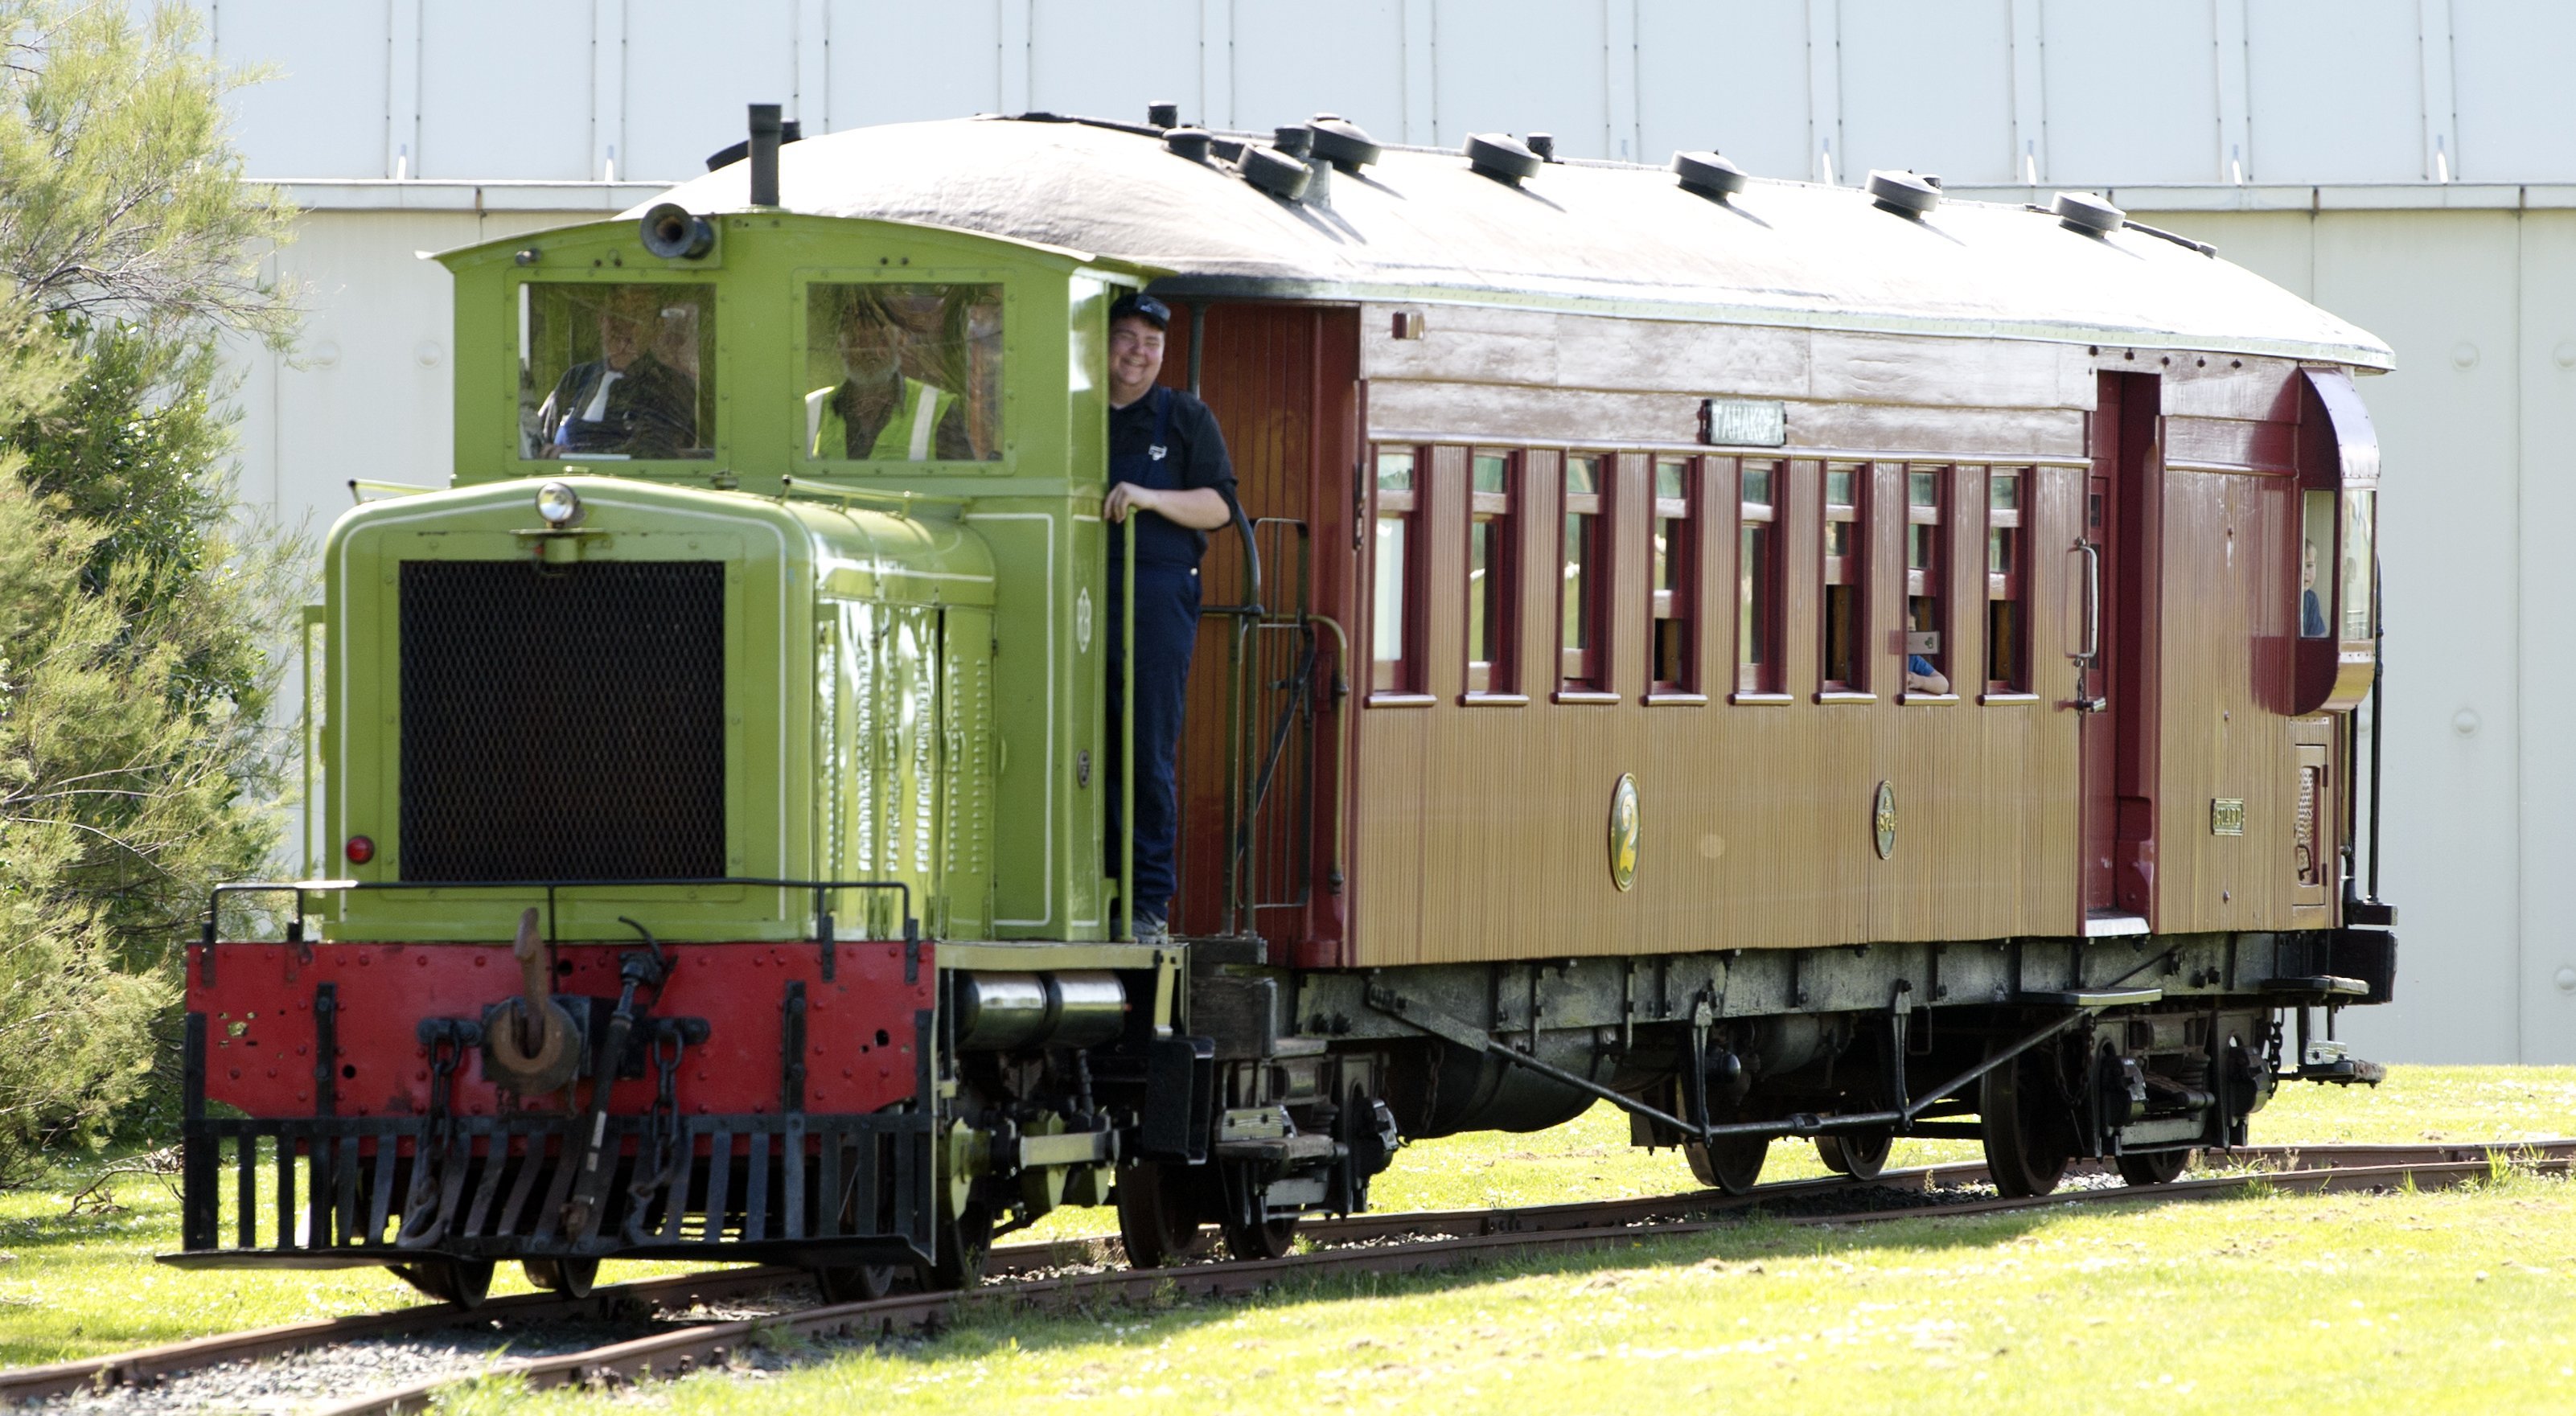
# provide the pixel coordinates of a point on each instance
(2117, 585)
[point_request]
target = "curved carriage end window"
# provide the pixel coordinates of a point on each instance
(2005, 616)
(2316, 559)
(615, 372)
(1492, 582)
(1757, 579)
(902, 373)
(1392, 638)
(2359, 563)
(1580, 666)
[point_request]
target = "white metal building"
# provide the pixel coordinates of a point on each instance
(2408, 164)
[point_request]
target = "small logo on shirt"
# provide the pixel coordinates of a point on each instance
(1157, 452)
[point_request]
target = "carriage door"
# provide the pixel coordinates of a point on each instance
(2115, 652)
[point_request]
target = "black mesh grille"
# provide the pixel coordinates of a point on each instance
(562, 722)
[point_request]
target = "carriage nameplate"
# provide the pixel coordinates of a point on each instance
(1743, 422)
(2227, 816)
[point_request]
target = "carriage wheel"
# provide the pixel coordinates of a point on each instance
(572, 1278)
(1729, 1163)
(854, 1283)
(1249, 1232)
(2025, 1127)
(1858, 1154)
(2154, 1167)
(463, 1282)
(1158, 1214)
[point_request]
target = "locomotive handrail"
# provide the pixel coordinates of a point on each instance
(822, 912)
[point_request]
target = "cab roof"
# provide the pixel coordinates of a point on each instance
(1608, 238)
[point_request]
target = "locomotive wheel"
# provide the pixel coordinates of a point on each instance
(2024, 1127)
(1730, 1163)
(964, 1244)
(2154, 1167)
(1858, 1154)
(1158, 1217)
(462, 1282)
(570, 1277)
(855, 1283)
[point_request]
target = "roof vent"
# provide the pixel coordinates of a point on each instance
(1342, 142)
(1904, 193)
(1296, 142)
(1162, 115)
(1708, 174)
(788, 131)
(1544, 144)
(1501, 157)
(1191, 143)
(2087, 213)
(1275, 172)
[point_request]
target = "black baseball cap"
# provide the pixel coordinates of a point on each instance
(1144, 307)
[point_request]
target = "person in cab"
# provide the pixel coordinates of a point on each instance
(629, 402)
(878, 412)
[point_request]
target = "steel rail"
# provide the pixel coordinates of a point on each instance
(677, 1353)
(144, 1366)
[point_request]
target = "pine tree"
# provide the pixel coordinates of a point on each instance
(138, 606)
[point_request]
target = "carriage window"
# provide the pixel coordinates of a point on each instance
(1845, 567)
(1580, 652)
(1390, 617)
(1926, 659)
(609, 373)
(1492, 587)
(1757, 578)
(2358, 565)
(1676, 541)
(2004, 578)
(2316, 553)
(902, 373)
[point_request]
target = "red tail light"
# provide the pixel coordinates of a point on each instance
(360, 850)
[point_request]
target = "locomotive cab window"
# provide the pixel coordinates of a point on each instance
(2005, 617)
(1492, 586)
(1579, 653)
(616, 372)
(902, 373)
(1391, 629)
(1927, 661)
(1757, 580)
(1846, 618)
(1675, 547)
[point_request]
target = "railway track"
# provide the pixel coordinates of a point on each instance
(1058, 1275)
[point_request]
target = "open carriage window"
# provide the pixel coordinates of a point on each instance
(903, 373)
(1391, 628)
(1757, 579)
(1675, 576)
(1846, 621)
(1492, 585)
(1926, 655)
(2316, 562)
(1580, 666)
(2005, 576)
(614, 372)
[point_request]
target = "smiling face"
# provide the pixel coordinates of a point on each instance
(1135, 358)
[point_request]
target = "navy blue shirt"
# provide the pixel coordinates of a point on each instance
(1193, 457)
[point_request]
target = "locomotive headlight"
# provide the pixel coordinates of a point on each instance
(560, 505)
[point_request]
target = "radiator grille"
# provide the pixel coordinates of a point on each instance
(562, 722)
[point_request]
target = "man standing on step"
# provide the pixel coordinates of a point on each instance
(1167, 468)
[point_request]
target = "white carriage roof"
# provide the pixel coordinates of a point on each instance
(1610, 238)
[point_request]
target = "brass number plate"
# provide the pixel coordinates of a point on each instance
(2227, 816)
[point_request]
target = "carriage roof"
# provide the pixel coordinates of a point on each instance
(1610, 238)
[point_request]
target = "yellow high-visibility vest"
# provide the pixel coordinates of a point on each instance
(911, 435)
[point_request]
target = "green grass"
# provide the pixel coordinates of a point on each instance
(79, 1286)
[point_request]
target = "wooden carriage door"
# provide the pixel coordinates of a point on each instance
(2119, 585)
(2099, 725)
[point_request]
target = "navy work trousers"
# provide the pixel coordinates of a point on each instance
(1167, 628)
